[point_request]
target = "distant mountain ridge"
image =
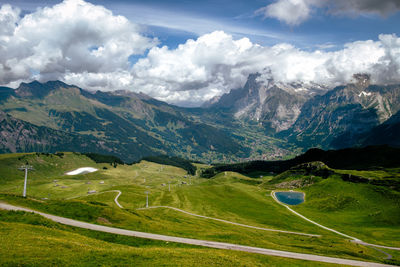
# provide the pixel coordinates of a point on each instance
(263, 120)
(338, 118)
(274, 105)
(125, 124)
(17, 135)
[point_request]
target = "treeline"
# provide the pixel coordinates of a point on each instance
(367, 158)
(100, 158)
(58, 154)
(173, 161)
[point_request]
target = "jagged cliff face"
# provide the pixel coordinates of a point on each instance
(17, 135)
(274, 105)
(339, 117)
(56, 116)
(383, 99)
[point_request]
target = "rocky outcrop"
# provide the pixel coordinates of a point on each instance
(272, 104)
(337, 118)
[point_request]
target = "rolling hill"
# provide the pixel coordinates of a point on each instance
(229, 196)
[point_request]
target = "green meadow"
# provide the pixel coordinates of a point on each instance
(366, 211)
(29, 240)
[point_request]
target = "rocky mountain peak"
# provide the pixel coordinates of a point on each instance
(211, 102)
(273, 104)
(38, 89)
(140, 95)
(361, 80)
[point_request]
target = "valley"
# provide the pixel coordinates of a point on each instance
(352, 198)
(200, 133)
(263, 120)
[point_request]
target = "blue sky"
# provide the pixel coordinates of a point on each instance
(187, 52)
(174, 21)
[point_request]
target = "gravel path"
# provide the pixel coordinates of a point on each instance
(317, 224)
(204, 243)
(115, 199)
(354, 239)
(225, 221)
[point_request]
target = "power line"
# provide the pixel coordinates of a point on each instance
(147, 199)
(25, 168)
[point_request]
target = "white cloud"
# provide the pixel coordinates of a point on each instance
(295, 12)
(210, 63)
(70, 38)
(215, 63)
(9, 17)
(292, 12)
(87, 45)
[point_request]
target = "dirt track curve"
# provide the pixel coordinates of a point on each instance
(204, 243)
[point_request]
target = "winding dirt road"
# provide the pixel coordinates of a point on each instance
(238, 224)
(204, 243)
(353, 239)
(115, 199)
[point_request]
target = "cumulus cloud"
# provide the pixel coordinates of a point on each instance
(215, 63)
(292, 12)
(68, 39)
(295, 12)
(88, 46)
(9, 17)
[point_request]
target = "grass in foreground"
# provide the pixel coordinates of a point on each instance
(35, 241)
(368, 212)
(227, 196)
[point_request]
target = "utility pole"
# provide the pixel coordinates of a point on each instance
(147, 199)
(169, 186)
(25, 168)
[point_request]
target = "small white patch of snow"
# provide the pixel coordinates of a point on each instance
(363, 93)
(301, 90)
(81, 171)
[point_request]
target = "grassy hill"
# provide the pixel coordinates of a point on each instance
(30, 240)
(363, 210)
(230, 196)
(363, 203)
(365, 158)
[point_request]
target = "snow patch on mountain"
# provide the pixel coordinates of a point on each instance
(363, 93)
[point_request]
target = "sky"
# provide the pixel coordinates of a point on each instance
(187, 52)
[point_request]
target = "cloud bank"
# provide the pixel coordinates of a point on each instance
(215, 63)
(86, 45)
(295, 12)
(66, 39)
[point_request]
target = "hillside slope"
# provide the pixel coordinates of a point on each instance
(367, 158)
(121, 123)
(337, 118)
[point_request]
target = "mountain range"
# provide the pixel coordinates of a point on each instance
(274, 105)
(343, 116)
(262, 120)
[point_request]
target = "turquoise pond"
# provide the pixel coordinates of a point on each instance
(290, 198)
